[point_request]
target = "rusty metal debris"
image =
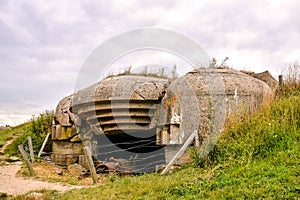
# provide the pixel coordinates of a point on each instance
(113, 165)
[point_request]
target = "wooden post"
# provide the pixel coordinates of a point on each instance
(280, 79)
(30, 148)
(91, 164)
(21, 148)
(181, 151)
(44, 144)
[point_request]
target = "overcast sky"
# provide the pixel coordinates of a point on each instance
(43, 44)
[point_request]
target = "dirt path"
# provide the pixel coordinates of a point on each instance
(7, 143)
(12, 185)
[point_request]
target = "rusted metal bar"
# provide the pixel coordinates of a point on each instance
(197, 143)
(181, 151)
(44, 144)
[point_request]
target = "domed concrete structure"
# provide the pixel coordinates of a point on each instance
(149, 118)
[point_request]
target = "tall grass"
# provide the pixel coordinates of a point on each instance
(273, 129)
(292, 81)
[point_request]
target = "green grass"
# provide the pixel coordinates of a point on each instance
(256, 158)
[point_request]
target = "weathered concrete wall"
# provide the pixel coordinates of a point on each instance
(201, 99)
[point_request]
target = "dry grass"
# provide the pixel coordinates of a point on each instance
(47, 172)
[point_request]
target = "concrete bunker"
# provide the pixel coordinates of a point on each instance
(136, 123)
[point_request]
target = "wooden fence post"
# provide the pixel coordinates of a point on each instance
(21, 148)
(30, 148)
(91, 164)
(280, 79)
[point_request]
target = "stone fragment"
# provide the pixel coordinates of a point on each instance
(75, 170)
